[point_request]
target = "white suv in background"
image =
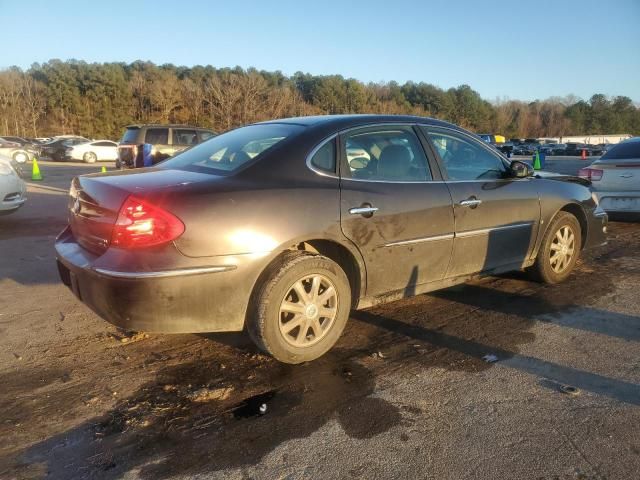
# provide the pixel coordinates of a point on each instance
(90, 152)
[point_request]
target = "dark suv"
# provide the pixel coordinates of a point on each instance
(146, 145)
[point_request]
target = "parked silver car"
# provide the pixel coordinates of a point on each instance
(615, 177)
(13, 191)
(15, 151)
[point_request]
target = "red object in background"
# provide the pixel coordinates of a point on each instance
(593, 174)
(584, 154)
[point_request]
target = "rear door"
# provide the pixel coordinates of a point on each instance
(496, 217)
(394, 208)
(158, 138)
(183, 138)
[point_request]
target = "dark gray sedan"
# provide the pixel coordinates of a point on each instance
(285, 226)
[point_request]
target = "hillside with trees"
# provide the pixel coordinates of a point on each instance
(99, 99)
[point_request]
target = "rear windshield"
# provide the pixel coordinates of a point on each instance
(130, 135)
(230, 151)
(623, 151)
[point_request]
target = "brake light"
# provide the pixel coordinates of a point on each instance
(593, 174)
(141, 224)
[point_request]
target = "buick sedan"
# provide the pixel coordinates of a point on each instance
(283, 227)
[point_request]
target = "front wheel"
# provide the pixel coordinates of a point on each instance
(301, 308)
(20, 157)
(560, 249)
(89, 157)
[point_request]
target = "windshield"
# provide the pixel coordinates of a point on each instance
(623, 151)
(231, 150)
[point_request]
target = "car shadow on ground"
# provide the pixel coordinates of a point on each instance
(163, 429)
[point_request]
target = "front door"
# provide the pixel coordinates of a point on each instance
(496, 216)
(394, 209)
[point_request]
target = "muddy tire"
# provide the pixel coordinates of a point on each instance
(559, 250)
(300, 308)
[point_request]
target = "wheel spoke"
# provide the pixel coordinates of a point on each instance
(317, 328)
(300, 290)
(554, 258)
(559, 236)
(315, 288)
(293, 323)
(302, 333)
(326, 295)
(292, 307)
(555, 247)
(326, 312)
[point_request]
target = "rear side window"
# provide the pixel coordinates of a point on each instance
(184, 137)
(231, 150)
(157, 136)
(325, 157)
(130, 135)
(104, 144)
(623, 151)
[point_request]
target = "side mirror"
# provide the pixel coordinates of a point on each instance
(520, 169)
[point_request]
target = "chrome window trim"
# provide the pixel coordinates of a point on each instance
(317, 170)
(164, 273)
(333, 136)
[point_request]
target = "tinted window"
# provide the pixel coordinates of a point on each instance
(204, 135)
(105, 144)
(231, 150)
(392, 154)
(184, 137)
(130, 135)
(465, 159)
(157, 136)
(623, 151)
(325, 157)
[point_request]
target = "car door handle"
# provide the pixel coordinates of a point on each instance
(363, 210)
(470, 202)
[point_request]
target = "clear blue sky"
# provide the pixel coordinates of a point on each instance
(519, 50)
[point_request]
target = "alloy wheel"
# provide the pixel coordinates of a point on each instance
(308, 310)
(562, 249)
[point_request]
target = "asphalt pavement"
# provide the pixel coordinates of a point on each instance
(502, 378)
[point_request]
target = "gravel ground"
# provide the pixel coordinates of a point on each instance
(503, 378)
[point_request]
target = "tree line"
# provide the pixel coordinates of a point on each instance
(98, 99)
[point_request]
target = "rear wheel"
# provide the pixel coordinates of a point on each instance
(89, 157)
(560, 249)
(301, 308)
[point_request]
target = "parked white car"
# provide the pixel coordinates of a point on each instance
(90, 152)
(13, 191)
(615, 177)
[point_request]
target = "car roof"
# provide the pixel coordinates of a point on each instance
(354, 120)
(166, 125)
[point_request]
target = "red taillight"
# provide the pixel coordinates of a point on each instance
(589, 173)
(141, 224)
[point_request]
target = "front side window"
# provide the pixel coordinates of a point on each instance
(184, 137)
(230, 151)
(157, 136)
(391, 154)
(465, 159)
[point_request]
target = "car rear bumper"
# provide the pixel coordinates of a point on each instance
(619, 202)
(176, 297)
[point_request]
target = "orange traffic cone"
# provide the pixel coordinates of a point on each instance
(584, 154)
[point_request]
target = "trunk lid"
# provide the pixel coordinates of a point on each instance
(621, 175)
(95, 200)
